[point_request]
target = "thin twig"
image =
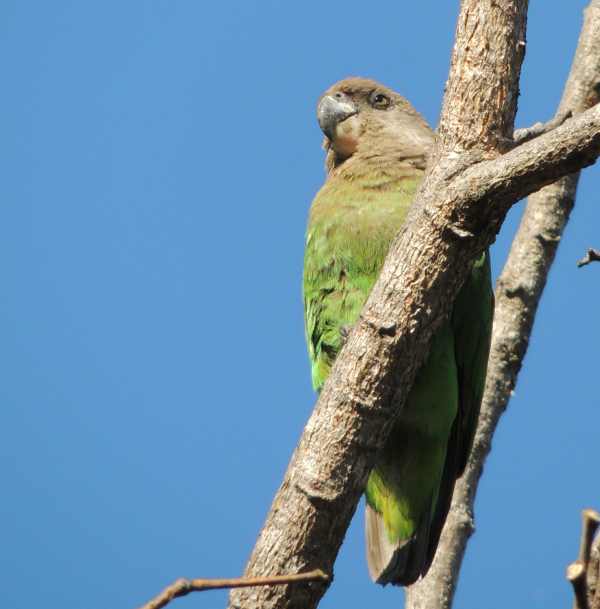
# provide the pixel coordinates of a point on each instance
(591, 255)
(528, 133)
(182, 587)
(576, 575)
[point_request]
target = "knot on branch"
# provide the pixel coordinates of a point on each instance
(460, 232)
(387, 329)
(463, 519)
(546, 238)
(594, 95)
(382, 328)
(516, 291)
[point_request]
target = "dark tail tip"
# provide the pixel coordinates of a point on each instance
(400, 563)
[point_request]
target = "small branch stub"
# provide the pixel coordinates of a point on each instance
(576, 575)
(524, 135)
(183, 586)
(592, 255)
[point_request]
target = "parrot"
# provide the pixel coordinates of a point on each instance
(377, 148)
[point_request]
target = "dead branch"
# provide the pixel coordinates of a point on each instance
(183, 587)
(471, 183)
(518, 293)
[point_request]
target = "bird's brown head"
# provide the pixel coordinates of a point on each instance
(361, 117)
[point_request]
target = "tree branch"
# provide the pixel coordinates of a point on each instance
(456, 215)
(483, 85)
(593, 574)
(182, 587)
(521, 136)
(576, 576)
(518, 293)
(591, 255)
(590, 521)
(582, 577)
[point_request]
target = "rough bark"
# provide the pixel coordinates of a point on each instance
(519, 290)
(457, 213)
(480, 102)
(593, 574)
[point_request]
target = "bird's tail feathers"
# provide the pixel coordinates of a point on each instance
(401, 562)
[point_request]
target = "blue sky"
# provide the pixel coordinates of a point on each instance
(158, 163)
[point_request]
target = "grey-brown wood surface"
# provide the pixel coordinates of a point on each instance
(518, 293)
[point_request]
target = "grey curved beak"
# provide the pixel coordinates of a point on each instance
(332, 110)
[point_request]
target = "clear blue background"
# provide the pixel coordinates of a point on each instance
(158, 160)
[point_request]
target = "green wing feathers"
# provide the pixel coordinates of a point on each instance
(351, 225)
(472, 325)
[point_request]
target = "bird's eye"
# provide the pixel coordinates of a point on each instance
(380, 100)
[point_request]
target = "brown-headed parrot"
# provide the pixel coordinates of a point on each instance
(377, 148)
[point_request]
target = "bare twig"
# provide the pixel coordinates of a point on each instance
(528, 133)
(591, 255)
(182, 586)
